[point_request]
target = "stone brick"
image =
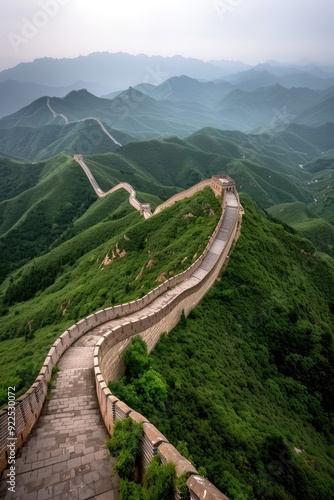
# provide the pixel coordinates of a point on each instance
(70, 430)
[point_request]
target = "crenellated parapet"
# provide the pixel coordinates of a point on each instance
(151, 324)
(154, 314)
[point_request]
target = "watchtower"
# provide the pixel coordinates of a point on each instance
(221, 184)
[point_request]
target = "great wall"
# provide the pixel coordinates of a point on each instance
(63, 451)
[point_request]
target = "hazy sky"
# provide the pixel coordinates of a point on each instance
(248, 30)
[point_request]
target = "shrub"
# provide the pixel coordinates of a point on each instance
(130, 490)
(136, 359)
(124, 444)
(125, 465)
(159, 480)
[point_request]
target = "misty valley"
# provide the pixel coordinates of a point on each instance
(167, 278)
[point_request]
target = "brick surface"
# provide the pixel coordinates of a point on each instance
(69, 436)
(65, 456)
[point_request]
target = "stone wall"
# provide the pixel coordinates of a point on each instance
(29, 406)
(183, 194)
(108, 364)
(143, 208)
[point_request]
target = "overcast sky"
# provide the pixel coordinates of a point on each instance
(252, 31)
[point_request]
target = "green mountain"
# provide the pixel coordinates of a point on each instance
(287, 167)
(268, 171)
(269, 167)
(39, 143)
(309, 141)
(180, 106)
(15, 95)
(306, 222)
(75, 106)
(264, 106)
(41, 209)
(265, 75)
(322, 112)
(176, 163)
(35, 114)
(101, 253)
(186, 89)
(131, 112)
(17, 177)
(245, 372)
(249, 374)
(246, 369)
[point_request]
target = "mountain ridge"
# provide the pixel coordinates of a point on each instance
(94, 70)
(180, 106)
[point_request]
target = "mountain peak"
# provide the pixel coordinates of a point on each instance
(78, 93)
(73, 92)
(134, 94)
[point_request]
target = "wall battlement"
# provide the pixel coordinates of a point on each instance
(182, 292)
(110, 348)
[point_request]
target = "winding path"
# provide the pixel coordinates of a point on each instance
(54, 113)
(65, 455)
(98, 120)
(144, 208)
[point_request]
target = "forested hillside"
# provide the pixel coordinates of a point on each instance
(245, 385)
(107, 256)
(291, 168)
(246, 381)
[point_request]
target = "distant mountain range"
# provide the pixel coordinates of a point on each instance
(83, 123)
(259, 77)
(106, 73)
(162, 125)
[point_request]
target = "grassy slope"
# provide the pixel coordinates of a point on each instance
(306, 222)
(17, 177)
(174, 163)
(322, 185)
(246, 373)
(271, 179)
(36, 217)
(69, 282)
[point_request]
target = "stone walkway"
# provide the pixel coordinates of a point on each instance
(65, 456)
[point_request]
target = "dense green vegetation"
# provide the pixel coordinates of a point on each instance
(141, 386)
(247, 381)
(281, 168)
(33, 220)
(250, 372)
(17, 177)
(287, 164)
(173, 163)
(124, 444)
(306, 222)
(108, 256)
(158, 482)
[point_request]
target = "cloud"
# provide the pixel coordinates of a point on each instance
(209, 29)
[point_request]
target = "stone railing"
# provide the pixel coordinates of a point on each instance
(29, 405)
(108, 366)
(143, 208)
(183, 194)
